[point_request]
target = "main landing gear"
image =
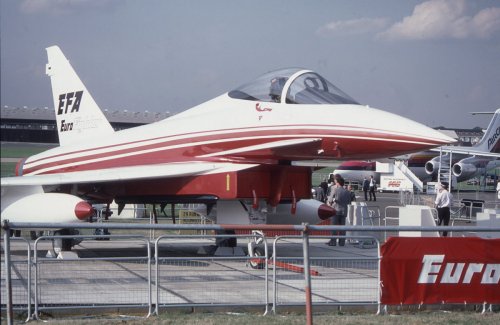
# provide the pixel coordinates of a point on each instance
(257, 251)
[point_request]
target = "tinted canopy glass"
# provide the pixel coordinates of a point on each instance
(300, 86)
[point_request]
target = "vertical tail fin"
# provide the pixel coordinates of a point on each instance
(77, 115)
(490, 140)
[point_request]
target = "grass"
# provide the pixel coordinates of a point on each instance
(8, 169)
(241, 318)
(321, 174)
(19, 150)
(15, 150)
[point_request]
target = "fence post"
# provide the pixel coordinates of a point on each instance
(150, 298)
(157, 277)
(8, 280)
(307, 274)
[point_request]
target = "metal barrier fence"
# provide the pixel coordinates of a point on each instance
(21, 296)
(210, 280)
(339, 280)
(64, 283)
(100, 279)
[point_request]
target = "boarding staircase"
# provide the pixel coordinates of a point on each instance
(417, 183)
(444, 171)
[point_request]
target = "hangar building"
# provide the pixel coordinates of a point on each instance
(24, 124)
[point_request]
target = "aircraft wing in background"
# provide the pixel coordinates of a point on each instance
(465, 151)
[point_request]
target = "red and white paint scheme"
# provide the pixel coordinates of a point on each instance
(238, 146)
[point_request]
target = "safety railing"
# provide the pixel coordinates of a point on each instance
(21, 296)
(210, 280)
(91, 281)
(335, 280)
(101, 277)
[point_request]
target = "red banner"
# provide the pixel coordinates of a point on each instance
(440, 270)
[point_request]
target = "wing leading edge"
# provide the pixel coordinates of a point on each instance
(461, 150)
(125, 173)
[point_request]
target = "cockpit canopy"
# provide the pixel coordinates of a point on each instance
(295, 86)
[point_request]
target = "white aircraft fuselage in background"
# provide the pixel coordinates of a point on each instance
(357, 171)
(238, 146)
(470, 162)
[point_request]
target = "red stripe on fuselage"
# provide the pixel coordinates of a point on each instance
(231, 141)
(240, 132)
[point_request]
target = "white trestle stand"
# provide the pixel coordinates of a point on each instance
(417, 215)
(488, 218)
(358, 215)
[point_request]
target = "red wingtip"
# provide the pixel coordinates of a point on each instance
(325, 212)
(83, 210)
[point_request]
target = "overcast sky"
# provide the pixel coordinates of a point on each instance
(432, 61)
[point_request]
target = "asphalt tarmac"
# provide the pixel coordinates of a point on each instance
(122, 272)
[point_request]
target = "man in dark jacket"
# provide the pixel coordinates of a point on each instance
(366, 187)
(339, 198)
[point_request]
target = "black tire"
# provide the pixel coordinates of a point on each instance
(66, 243)
(226, 241)
(35, 234)
(257, 264)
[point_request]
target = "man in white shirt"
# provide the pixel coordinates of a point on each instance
(443, 203)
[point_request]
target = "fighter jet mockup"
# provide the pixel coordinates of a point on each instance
(234, 152)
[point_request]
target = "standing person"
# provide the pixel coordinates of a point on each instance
(320, 195)
(443, 203)
(353, 195)
(373, 188)
(330, 181)
(331, 184)
(324, 186)
(339, 198)
(498, 189)
(366, 187)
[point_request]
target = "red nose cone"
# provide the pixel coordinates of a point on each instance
(83, 210)
(325, 212)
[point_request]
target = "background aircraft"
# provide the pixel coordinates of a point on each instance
(469, 162)
(233, 153)
(356, 171)
(416, 163)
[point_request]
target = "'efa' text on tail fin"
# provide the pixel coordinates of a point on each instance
(77, 115)
(490, 142)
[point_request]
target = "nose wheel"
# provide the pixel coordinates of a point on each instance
(256, 260)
